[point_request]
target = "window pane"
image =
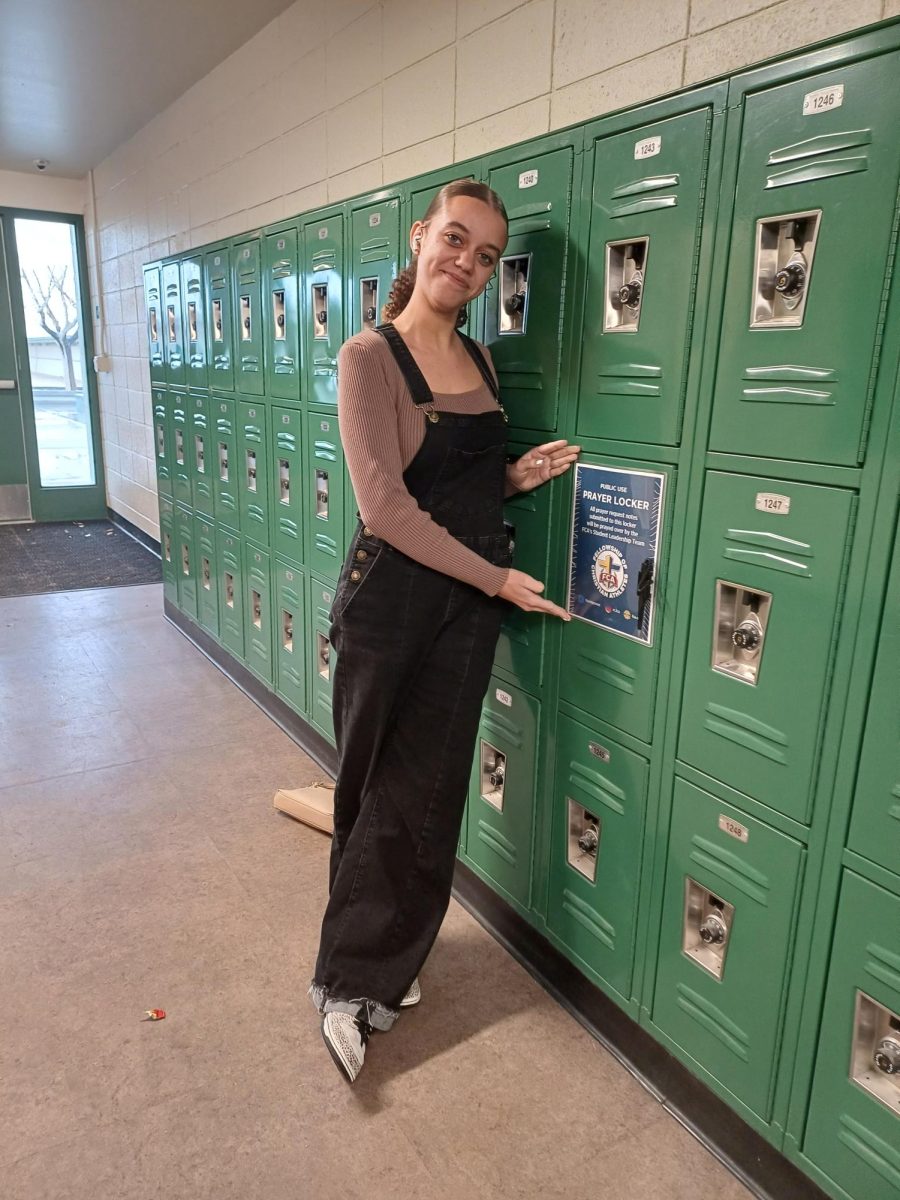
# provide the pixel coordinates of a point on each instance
(50, 291)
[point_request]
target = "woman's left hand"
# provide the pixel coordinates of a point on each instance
(541, 464)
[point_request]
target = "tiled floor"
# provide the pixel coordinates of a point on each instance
(142, 865)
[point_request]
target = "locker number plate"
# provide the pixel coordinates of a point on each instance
(772, 502)
(528, 179)
(824, 100)
(647, 148)
(504, 698)
(374, 220)
(733, 829)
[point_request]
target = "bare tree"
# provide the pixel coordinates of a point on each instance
(57, 312)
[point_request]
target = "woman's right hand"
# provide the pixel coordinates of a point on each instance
(523, 591)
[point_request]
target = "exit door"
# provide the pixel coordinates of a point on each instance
(50, 459)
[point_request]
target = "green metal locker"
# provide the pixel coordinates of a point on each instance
(281, 270)
(287, 474)
(815, 204)
(731, 892)
(598, 806)
(207, 576)
(853, 1128)
(168, 549)
(291, 627)
(524, 306)
(194, 322)
(230, 563)
(180, 417)
(325, 543)
(771, 567)
(220, 331)
(321, 657)
(200, 452)
(646, 212)
(186, 561)
(258, 612)
(253, 469)
(173, 328)
(156, 325)
(162, 440)
(226, 462)
(502, 791)
(322, 305)
(875, 824)
(246, 295)
(374, 250)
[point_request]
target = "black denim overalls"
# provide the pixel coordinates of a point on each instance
(414, 653)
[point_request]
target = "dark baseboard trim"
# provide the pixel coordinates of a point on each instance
(764, 1170)
(311, 742)
(133, 531)
(761, 1168)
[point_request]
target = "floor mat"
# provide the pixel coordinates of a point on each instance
(66, 556)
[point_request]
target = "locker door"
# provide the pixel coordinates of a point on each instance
(207, 581)
(156, 324)
(500, 814)
(374, 248)
(282, 329)
(646, 215)
(771, 565)
(194, 322)
(731, 893)
(291, 630)
(321, 658)
(322, 306)
(173, 328)
(599, 801)
(287, 483)
(226, 465)
(186, 562)
(325, 544)
(248, 326)
(810, 249)
(853, 1129)
(219, 319)
(231, 591)
(253, 468)
(875, 824)
(168, 548)
(202, 459)
(162, 440)
(525, 304)
(258, 612)
(182, 488)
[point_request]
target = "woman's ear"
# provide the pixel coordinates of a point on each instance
(415, 236)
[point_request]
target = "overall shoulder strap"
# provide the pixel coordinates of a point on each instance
(479, 360)
(415, 380)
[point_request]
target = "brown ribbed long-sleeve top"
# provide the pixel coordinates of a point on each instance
(381, 432)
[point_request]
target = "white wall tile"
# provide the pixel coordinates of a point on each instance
(413, 30)
(306, 198)
(514, 125)
(891, 8)
(304, 159)
(473, 14)
(418, 102)
(364, 178)
(354, 132)
(783, 27)
(303, 27)
(353, 58)
(258, 176)
(618, 87)
(706, 14)
(594, 35)
(302, 94)
(509, 67)
(342, 13)
(414, 160)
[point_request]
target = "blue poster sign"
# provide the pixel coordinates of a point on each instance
(613, 560)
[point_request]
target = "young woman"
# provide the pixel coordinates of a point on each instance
(417, 613)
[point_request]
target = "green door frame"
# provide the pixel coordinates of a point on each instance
(84, 503)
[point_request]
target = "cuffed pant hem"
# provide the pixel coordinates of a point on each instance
(371, 1012)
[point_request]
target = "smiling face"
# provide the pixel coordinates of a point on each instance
(458, 252)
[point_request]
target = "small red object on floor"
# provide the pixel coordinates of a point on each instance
(156, 1014)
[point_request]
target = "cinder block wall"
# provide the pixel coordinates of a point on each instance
(335, 98)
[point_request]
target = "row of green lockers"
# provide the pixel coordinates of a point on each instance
(702, 288)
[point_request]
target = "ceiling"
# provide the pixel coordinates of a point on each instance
(78, 77)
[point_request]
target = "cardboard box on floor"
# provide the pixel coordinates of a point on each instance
(313, 805)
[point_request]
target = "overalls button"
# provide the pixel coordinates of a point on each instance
(355, 576)
(361, 556)
(367, 531)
